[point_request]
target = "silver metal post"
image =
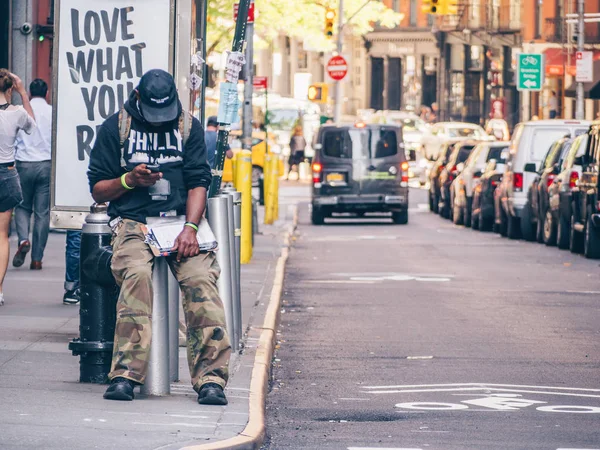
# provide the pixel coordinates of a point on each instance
(337, 112)
(248, 89)
(174, 299)
(219, 222)
(237, 224)
(158, 381)
(580, 42)
(237, 323)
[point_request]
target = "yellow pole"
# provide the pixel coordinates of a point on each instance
(276, 186)
(244, 185)
(234, 170)
(268, 175)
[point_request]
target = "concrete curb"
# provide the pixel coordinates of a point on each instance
(254, 434)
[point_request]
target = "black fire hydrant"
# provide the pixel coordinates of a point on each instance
(99, 293)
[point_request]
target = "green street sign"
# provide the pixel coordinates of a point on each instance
(530, 71)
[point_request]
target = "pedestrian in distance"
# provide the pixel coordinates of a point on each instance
(553, 105)
(33, 159)
(210, 136)
(12, 119)
(146, 164)
(297, 148)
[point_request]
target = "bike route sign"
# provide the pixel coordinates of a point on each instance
(530, 71)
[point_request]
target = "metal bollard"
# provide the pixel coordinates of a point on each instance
(158, 380)
(272, 181)
(234, 169)
(219, 222)
(99, 294)
(237, 322)
(237, 223)
(244, 185)
(174, 299)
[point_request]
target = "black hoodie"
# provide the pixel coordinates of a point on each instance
(184, 167)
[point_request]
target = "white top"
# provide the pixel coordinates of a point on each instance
(37, 146)
(11, 121)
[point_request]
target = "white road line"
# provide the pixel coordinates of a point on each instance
(340, 282)
(568, 394)
(480, 385)
(419, 357)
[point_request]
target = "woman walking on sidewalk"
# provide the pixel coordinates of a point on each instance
(297, 148)
(12, 119)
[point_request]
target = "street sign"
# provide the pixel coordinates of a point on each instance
(337, 68)
(585, 67)
(260, 82)
(236, 7)
(530, 71)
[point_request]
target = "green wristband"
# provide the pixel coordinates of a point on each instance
(124, 183)
(191, 225)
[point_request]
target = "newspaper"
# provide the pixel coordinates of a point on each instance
(161, 235)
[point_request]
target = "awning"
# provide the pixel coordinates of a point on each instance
(557, 59)
(591, 90)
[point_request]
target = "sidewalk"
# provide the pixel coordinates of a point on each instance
(44, 405)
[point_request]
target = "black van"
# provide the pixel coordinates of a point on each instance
(359, 169)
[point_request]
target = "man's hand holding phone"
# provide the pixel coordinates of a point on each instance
(143, 175)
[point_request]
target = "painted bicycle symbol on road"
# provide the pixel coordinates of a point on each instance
(494, 397)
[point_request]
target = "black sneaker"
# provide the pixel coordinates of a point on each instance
(120, 389)
(211, 394)
(71, 297)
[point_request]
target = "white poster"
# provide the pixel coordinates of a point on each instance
(584, 67)
(104, 48)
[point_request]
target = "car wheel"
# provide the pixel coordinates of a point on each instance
(468, 218)
(503, 225)
(591, 248)
(487, 224)
(457, 215)
(576, 244)
(475, 219)
(549, 229)
(526, 226)
(256, 175)
(431, 208)
(562, 233)
(316, 216)
(513, 229)
(436, 203)
(400, 217)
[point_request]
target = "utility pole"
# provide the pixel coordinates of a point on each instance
(337, 112)
(248, 89)
(580, 41)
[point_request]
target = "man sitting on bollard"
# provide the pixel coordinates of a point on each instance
(145, 165)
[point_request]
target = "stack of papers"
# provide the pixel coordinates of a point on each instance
(161, 235)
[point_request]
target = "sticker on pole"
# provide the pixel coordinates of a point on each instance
(229, 104)
(585, 67)
(337, 68)
(235, 62)
(195, 82)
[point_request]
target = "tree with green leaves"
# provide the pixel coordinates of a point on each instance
(298, 18)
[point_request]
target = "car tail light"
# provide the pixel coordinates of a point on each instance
(495, 182)
(518, 182)
(598, 206)
(317, 169)
(404, 171)
(573, 179)
(404, 166)
(550, 180)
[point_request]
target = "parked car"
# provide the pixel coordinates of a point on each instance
(444, 132)
(434, 176)
(561, 191)
(585, 220)
(470, 177)
(528, 147)
(451, 170)
(482, 215)
(537, 207)
(359, 169)
(413, 128)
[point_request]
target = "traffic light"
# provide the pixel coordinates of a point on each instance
(318, 92)
(448, 7)
(329, 21)
(431, 6)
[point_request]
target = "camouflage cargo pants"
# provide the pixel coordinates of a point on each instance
(208, 347)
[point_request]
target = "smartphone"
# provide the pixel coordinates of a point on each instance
(153, 167)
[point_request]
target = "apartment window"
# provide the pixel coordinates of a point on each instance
(302, 57)
(413, 13)
(396, 5)
(539, 17)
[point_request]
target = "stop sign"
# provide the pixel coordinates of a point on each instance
(337, 68)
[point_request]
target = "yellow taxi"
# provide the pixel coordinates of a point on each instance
(259, 151)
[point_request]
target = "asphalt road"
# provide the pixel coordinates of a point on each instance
(432, 336)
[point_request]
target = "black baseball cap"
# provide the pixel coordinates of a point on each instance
(212, 121)
(158, 96)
